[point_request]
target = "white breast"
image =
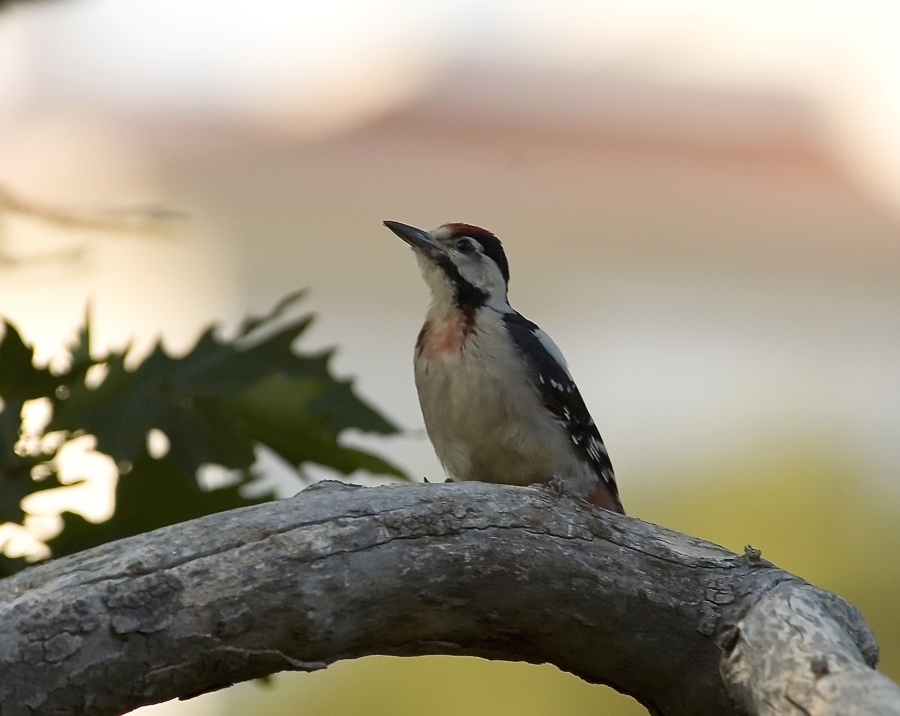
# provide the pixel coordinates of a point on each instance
(482, 413)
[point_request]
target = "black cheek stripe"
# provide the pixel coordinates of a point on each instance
(467, 294)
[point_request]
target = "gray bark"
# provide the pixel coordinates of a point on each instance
(338, 572)
(800, 651)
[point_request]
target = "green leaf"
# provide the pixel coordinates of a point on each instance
(213, 403)
(345, 410)
(216, 404)
(15, 470)
(13, 491)
(80, 353)
(10, 426)
(251, 323)
(277, 413)
(154, 494)
(19, 378)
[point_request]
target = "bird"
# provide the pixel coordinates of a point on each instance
(498, 400)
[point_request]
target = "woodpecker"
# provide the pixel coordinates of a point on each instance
(498, 400)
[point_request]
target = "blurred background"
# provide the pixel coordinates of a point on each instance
(700, 202)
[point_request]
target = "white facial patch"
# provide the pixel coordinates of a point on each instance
(440, 233)
(474, 266)
(481, 272)
(441, 292)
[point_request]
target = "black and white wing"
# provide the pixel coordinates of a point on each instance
(560, 395)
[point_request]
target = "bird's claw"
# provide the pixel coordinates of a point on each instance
(556, 486)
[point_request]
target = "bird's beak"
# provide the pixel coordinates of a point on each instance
(418, 239)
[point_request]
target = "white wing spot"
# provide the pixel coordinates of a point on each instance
(596, 448)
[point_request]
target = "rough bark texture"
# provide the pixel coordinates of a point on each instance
(799, 651)
(501, 572)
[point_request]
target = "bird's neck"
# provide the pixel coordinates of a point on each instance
(444, 333)
(449, 324)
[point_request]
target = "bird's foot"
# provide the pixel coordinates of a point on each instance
(556, 486)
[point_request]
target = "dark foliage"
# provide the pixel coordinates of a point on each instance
(216, 405)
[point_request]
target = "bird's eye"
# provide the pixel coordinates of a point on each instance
(465, 246)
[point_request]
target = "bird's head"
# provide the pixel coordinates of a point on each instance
(460, 263)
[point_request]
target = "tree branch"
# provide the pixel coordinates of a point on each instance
(338, 572)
